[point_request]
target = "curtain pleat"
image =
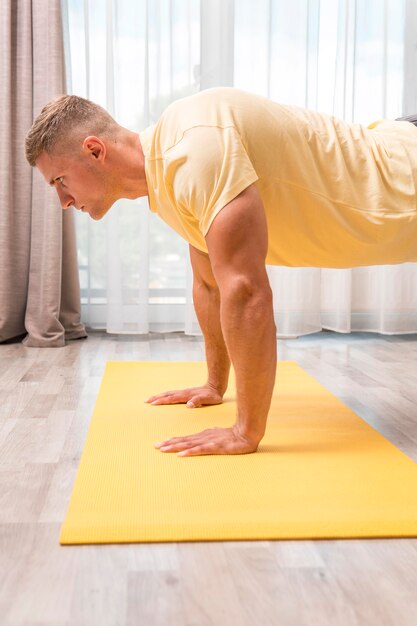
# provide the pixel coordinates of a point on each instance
(39, 283)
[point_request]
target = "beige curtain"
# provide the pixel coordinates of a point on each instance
(39, 284)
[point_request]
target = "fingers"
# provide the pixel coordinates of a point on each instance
(209, 441)
(174, 397)
(193, 397)
(169, 397)
(193, 444)
(191, 448)
(200, 450)
(177, 443)
(193, 403)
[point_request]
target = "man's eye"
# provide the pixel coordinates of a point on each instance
(60, 179)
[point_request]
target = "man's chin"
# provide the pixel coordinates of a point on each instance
(98, 214)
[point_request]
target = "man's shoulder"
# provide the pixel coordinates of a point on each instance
(212, 94)
(219, 107)
(203, 105)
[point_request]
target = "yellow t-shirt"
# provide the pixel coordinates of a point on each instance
(335, 194)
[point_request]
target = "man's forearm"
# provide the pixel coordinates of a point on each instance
(250, 334)
(207, 307)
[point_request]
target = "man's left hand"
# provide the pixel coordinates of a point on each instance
(210, 441)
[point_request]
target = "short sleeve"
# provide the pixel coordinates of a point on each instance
(207, 168)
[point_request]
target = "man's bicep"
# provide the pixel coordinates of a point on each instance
(237, 241)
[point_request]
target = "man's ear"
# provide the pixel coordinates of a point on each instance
(94, 146)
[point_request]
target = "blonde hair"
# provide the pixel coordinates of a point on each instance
(65, 121)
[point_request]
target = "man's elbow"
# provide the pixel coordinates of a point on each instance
(242, 289)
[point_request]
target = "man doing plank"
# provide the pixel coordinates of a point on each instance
(246, 182)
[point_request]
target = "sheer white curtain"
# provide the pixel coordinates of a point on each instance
(351, 58)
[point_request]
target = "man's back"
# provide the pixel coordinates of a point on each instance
(335, 194)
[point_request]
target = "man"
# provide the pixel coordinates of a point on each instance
(246, 181)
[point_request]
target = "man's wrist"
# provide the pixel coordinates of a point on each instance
(249, 434)
(220, 388)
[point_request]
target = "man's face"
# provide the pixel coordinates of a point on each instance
(81, 182)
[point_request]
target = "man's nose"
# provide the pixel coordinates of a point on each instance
(67, 204)
(65, 199)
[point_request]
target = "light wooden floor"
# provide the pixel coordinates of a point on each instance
(46, 400)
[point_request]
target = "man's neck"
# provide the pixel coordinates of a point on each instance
(131, 166)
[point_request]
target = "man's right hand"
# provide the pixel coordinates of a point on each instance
(193, 397)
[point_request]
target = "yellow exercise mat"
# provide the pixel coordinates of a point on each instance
(320, 471)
